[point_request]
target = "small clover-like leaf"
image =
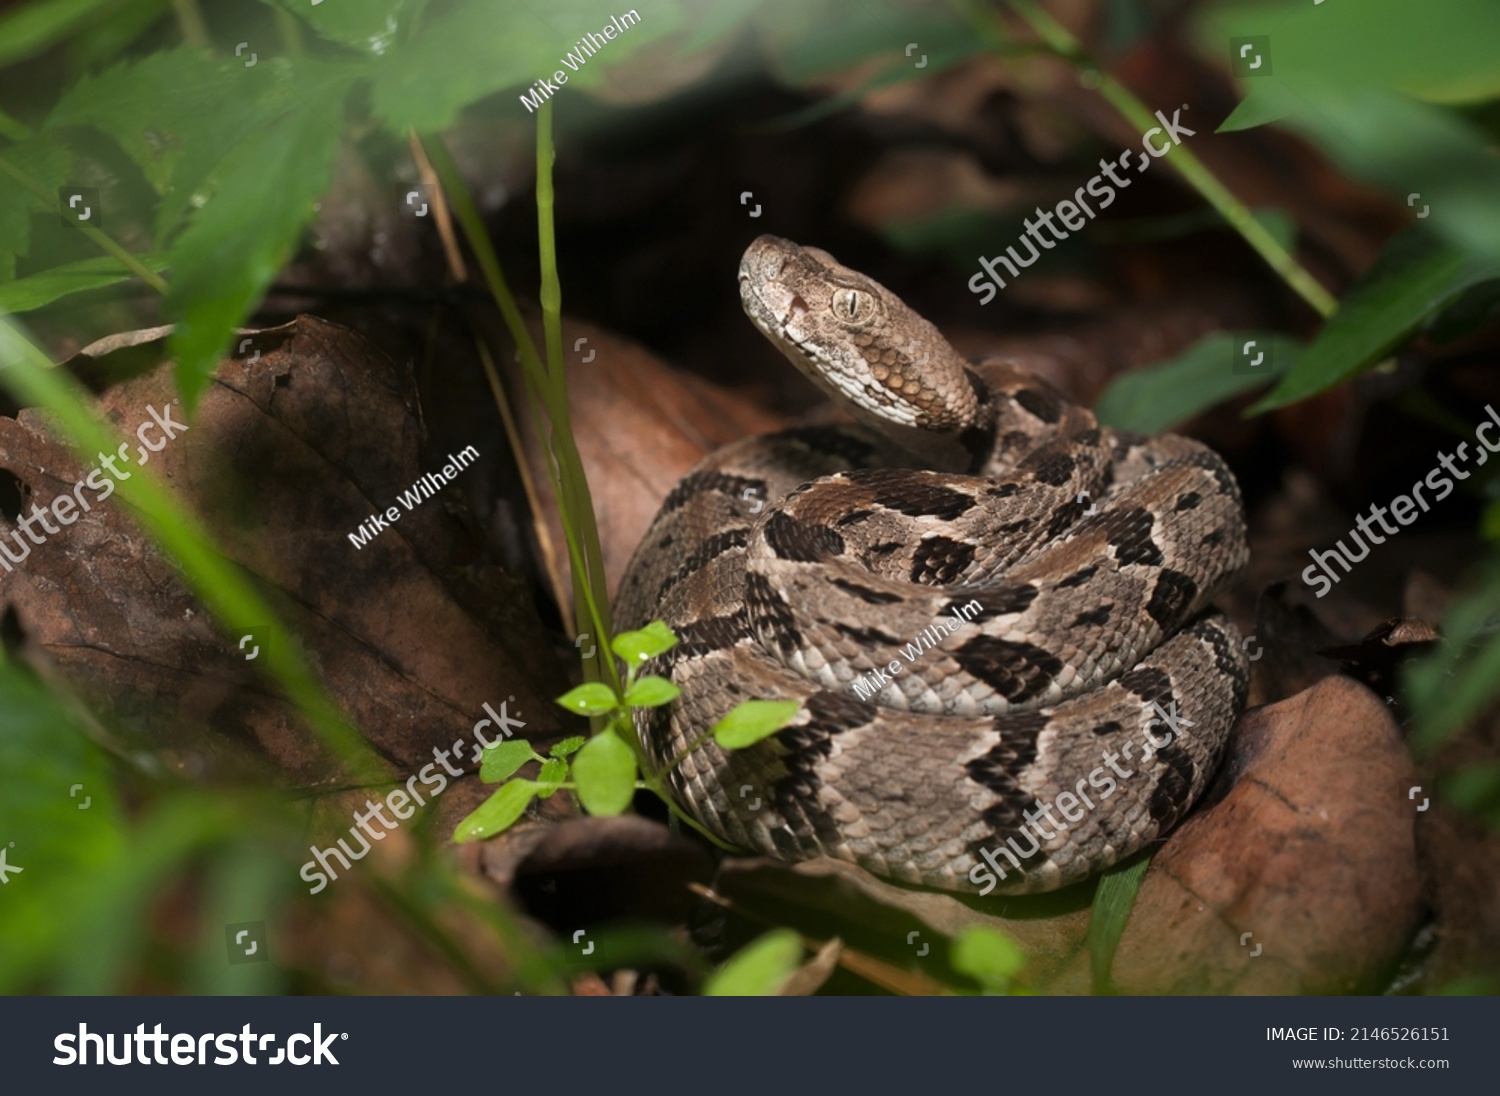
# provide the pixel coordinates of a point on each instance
(590, 698)
(554, 773)
(759, 969)
(567, 746)
(503, 759)
(651, 692)
(988, 956)
(497, 813)
(604, 774)
(752, 721)
(648, 642)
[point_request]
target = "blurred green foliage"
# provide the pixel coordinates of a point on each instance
(74, 917)
(1383, 88)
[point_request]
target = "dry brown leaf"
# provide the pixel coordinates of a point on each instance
(1299, 873)
(300, 438)
(640, 425)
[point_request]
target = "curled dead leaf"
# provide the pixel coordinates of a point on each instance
(1299, 873)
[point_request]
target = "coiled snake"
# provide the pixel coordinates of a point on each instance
(977, 594)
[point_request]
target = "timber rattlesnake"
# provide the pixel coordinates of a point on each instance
(1039, 586)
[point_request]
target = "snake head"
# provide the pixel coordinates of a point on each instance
(861, 344)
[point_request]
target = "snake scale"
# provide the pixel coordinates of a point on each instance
(992, 611)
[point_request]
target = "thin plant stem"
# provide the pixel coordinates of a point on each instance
(682, 755)
(582, 503)
(569, 482)
(1062, 42)
(451, 251)
(655, 781)
(100, 239)
(528, 482)
(688, 820)
(190, 22)
(547, 387)
(290, 29)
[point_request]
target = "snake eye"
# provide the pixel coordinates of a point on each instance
(850, 304)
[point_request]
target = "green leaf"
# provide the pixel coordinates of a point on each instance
(470, 49)
(645, 643)
(1112, 904)
(501, 760)
(1416, 276)
(36, 290)
(590, 698)
(1433, 160)
(43, 162)
(41, 24)
(759, 969)
(238, 244)
(468, 52)
(497, 813)
(567, 746)
(1473, 307)
(160, 106)
(988, 956)
(1256, 110)
(1439, 50)
(1206, 374)
(179, 113)
(1436, 162)
(753, 720)
(554, 773)
(373, 26)
(651, 692)
(604, 774)
(901, 71)
(793, 34)
(104, 39)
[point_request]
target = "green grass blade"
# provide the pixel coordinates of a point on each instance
(1109, 915)
(1193, 170)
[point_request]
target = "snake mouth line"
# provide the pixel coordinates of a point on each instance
(765, 319)
(818, 367)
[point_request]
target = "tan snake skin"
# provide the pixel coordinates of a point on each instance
(978, 596)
